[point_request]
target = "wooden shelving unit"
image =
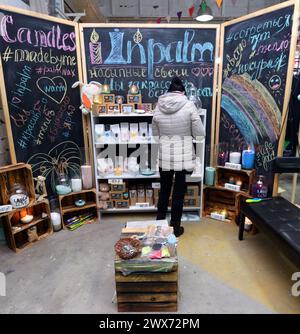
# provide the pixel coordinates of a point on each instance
(16, 232)
(219, 197)
(247, 177)
(135, 117)
(69, 209)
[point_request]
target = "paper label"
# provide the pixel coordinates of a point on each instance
(115, 181)
(217, 216)
(19, 200)
(5, 208)
(155, 185)
(231, 165)
(232, 187)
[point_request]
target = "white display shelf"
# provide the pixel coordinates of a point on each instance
(128, 176)
(145, 209)
(106, 119)
(137, 142)
(124, 115)
(140, 176)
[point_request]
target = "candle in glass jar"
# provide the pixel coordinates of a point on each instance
(86, 174)
(235, 157)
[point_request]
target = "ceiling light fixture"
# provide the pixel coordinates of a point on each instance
(204, 13)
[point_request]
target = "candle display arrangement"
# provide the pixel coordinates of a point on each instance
(123, 133)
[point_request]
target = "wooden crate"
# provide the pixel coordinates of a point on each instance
(246, 176)
(17, 239)
(69, 209)
(217, 198)
(147, 292)
(19, 173)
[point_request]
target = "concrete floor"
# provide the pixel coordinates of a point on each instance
(72, 272)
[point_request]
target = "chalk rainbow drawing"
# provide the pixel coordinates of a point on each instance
(251, 107)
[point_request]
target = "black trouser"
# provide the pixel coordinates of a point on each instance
(166, 180)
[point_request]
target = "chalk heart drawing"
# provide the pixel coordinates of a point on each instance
(55, 88)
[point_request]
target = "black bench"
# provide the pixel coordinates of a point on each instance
(277, 218)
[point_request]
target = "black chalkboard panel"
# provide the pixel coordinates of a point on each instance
(39, 66)
(150, 58)
(255, 63)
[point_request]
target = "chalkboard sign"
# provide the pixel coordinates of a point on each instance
(149, 56)
(39, 66)
(256, 54)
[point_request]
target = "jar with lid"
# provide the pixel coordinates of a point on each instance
(18, 196)
(63, 186)
(259, 189)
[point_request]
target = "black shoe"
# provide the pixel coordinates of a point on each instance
(178, 231)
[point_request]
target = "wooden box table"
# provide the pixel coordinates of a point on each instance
(145, 285)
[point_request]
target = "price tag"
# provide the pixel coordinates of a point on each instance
(155, 185)
(232, 187)
(217, 216)
(115, 181)
(233, 166)
(5, 208)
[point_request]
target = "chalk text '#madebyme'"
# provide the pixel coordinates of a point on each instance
(53, 38)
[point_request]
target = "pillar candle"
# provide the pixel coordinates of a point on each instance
(76, 185)
(86, 174)
(209, 176)
(248, 159)
(235, 157)
(56, 221)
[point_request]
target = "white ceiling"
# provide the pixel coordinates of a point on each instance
(163, 8)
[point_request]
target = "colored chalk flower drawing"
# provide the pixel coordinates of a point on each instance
(252, 108)
(64, 157)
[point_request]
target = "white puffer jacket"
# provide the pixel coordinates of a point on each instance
(176, 122)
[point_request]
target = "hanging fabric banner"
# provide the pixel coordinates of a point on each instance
(219, 3)
(191, 10)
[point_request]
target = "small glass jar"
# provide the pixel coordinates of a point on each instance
(18, 196)
(63, 186)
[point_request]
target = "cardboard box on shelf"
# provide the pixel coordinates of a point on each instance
(191, 201)
(116, 195)
(118, 187)
(192, 191)
(122, 204)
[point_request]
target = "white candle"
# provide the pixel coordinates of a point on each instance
(86, 174)
(56, 221)
(235, 157)
(76, 185)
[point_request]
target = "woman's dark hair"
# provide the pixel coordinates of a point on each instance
(176, 85)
